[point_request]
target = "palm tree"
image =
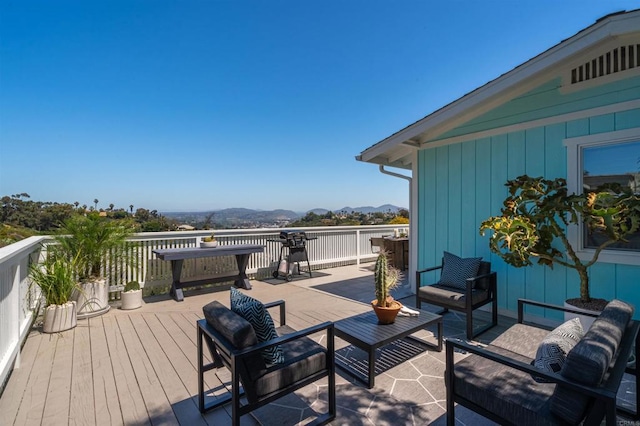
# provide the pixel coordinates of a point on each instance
(131, 208)
(111, 207)
(76, 204)
(95, 201)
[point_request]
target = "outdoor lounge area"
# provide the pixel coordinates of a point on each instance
(140, 367)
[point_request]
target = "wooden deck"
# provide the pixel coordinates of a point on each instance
(139, 367)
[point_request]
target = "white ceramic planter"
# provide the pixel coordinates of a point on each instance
(59, 317)
(131, 299)
(92, 298)
(208, 244)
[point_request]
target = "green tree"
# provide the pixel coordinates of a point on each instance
(537, 213)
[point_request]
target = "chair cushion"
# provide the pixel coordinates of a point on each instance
(239, 333)
(450, 297)
(456, 270)
(554, 348)
(302, 358)
(257, 315)
(511, 340)
(483, 283)
(510, 393)
(237, 330)
(589, 360)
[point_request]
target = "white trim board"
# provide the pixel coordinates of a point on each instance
(577, 115)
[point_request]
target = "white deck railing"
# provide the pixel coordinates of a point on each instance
(334, 246)
(17, 300)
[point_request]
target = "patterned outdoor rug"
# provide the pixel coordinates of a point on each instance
(387, 357)
(362, 292)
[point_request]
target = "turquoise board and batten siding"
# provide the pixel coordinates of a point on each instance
(462, 184)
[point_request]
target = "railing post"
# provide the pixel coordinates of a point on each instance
(357, 247)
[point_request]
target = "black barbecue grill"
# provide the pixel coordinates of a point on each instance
(294, 245)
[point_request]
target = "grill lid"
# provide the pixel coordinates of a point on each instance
(293, 234)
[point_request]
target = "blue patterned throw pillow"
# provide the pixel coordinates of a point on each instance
(456, 270)
(257, 315)
(553, 350)
(238, 298)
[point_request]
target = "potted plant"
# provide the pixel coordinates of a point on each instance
(92, 239)
(131, 297)
(535, 218)
(56, 279)
(386, 278)
(208, 242)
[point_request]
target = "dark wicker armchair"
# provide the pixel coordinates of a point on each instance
(477, 291)
(233, 344)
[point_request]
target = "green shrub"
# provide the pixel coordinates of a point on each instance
(132, 285)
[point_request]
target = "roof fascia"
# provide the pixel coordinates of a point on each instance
(527, 75)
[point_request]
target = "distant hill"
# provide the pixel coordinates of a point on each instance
(365, 209)
(241, 217)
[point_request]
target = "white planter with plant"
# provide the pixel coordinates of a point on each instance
(56, 279)
(209, 242)
(131, 297)
(92, 240)
(535, 218)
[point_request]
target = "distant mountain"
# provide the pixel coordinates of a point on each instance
(256, 215)
(241, 217)
(365, 209)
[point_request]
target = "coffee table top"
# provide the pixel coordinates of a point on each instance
(365, 328)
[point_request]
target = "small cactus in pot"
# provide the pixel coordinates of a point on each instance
(386, 278)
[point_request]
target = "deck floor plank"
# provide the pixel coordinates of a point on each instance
(184, 330)
(166, 362)
(10, 401)
(129, 398)
(82, 400)
(32, 404)
(171, 344)
(104, 385)
(56, 408)
(155, 399)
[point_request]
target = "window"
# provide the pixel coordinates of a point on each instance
(595, 160)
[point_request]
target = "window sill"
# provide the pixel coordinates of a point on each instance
(611, 256)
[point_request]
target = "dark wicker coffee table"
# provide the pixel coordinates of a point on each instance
(364, 332)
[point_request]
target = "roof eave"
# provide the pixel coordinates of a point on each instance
(494, 92)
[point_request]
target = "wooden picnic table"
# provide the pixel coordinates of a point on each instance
(178, 255)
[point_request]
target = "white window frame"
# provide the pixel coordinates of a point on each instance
(574, 178)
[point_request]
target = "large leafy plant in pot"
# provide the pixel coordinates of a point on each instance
(55, 277)
(535, 218)
(91, 240)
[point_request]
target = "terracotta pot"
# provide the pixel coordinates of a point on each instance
(386, 315)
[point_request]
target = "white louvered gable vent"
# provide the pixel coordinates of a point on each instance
(621, 58)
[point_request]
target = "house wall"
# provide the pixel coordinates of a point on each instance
(462, 184)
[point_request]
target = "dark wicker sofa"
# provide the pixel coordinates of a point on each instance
(499, 381)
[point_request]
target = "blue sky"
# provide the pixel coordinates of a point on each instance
(205, 105)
